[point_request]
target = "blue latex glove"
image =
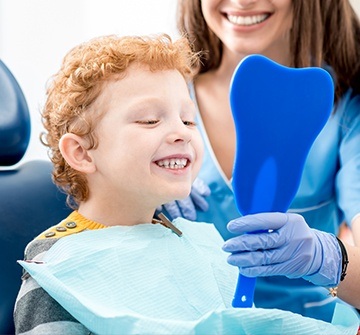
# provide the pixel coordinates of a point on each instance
(186, 208)
(289, 247)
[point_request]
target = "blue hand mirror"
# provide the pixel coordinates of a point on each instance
(278, 113)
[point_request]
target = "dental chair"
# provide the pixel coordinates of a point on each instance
(29, 201)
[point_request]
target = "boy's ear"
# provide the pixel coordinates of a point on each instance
(73, 149)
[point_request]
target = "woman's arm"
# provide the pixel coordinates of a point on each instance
(349, 288)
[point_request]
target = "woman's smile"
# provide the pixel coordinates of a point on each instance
(241, 20)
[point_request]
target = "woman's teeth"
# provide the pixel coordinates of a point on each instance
(173, 163)
(247, 20)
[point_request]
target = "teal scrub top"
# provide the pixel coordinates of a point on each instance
(329, 193)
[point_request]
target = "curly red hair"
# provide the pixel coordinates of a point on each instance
(78, 83)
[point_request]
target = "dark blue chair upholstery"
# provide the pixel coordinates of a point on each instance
(29, 201)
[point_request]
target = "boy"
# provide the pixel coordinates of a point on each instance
(123, 140)
(121, 132)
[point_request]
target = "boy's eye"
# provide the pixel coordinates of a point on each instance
(189, 123)
(147, 121)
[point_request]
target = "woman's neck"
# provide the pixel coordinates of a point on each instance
(230, 61)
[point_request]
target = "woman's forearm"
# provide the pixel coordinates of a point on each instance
(349, 288)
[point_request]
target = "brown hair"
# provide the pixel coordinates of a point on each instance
(76, 86)
(323, 32)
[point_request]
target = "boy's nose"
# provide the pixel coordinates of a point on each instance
(180, 133)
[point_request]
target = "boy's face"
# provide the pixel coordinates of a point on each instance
(149, 149)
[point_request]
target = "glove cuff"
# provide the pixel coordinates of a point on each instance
(331, 267)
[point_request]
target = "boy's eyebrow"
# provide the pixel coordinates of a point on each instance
(142, 104)
(147, 99)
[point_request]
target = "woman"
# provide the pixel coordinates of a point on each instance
(297, 33)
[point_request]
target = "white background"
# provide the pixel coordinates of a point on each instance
(36, 34)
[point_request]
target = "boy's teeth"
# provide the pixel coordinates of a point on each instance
(173, 163)
(246, 20)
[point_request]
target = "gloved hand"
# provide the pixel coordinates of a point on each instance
(186, 208)
(288, 247)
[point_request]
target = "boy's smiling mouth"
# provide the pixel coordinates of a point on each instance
(173, 163)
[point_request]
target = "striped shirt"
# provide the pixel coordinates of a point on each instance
(36, 312)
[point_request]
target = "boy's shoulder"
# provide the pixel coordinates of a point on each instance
(49, 237)
(36, 249)
(65, 228)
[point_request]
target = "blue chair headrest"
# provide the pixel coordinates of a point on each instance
(14, 119)
(29, 200)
